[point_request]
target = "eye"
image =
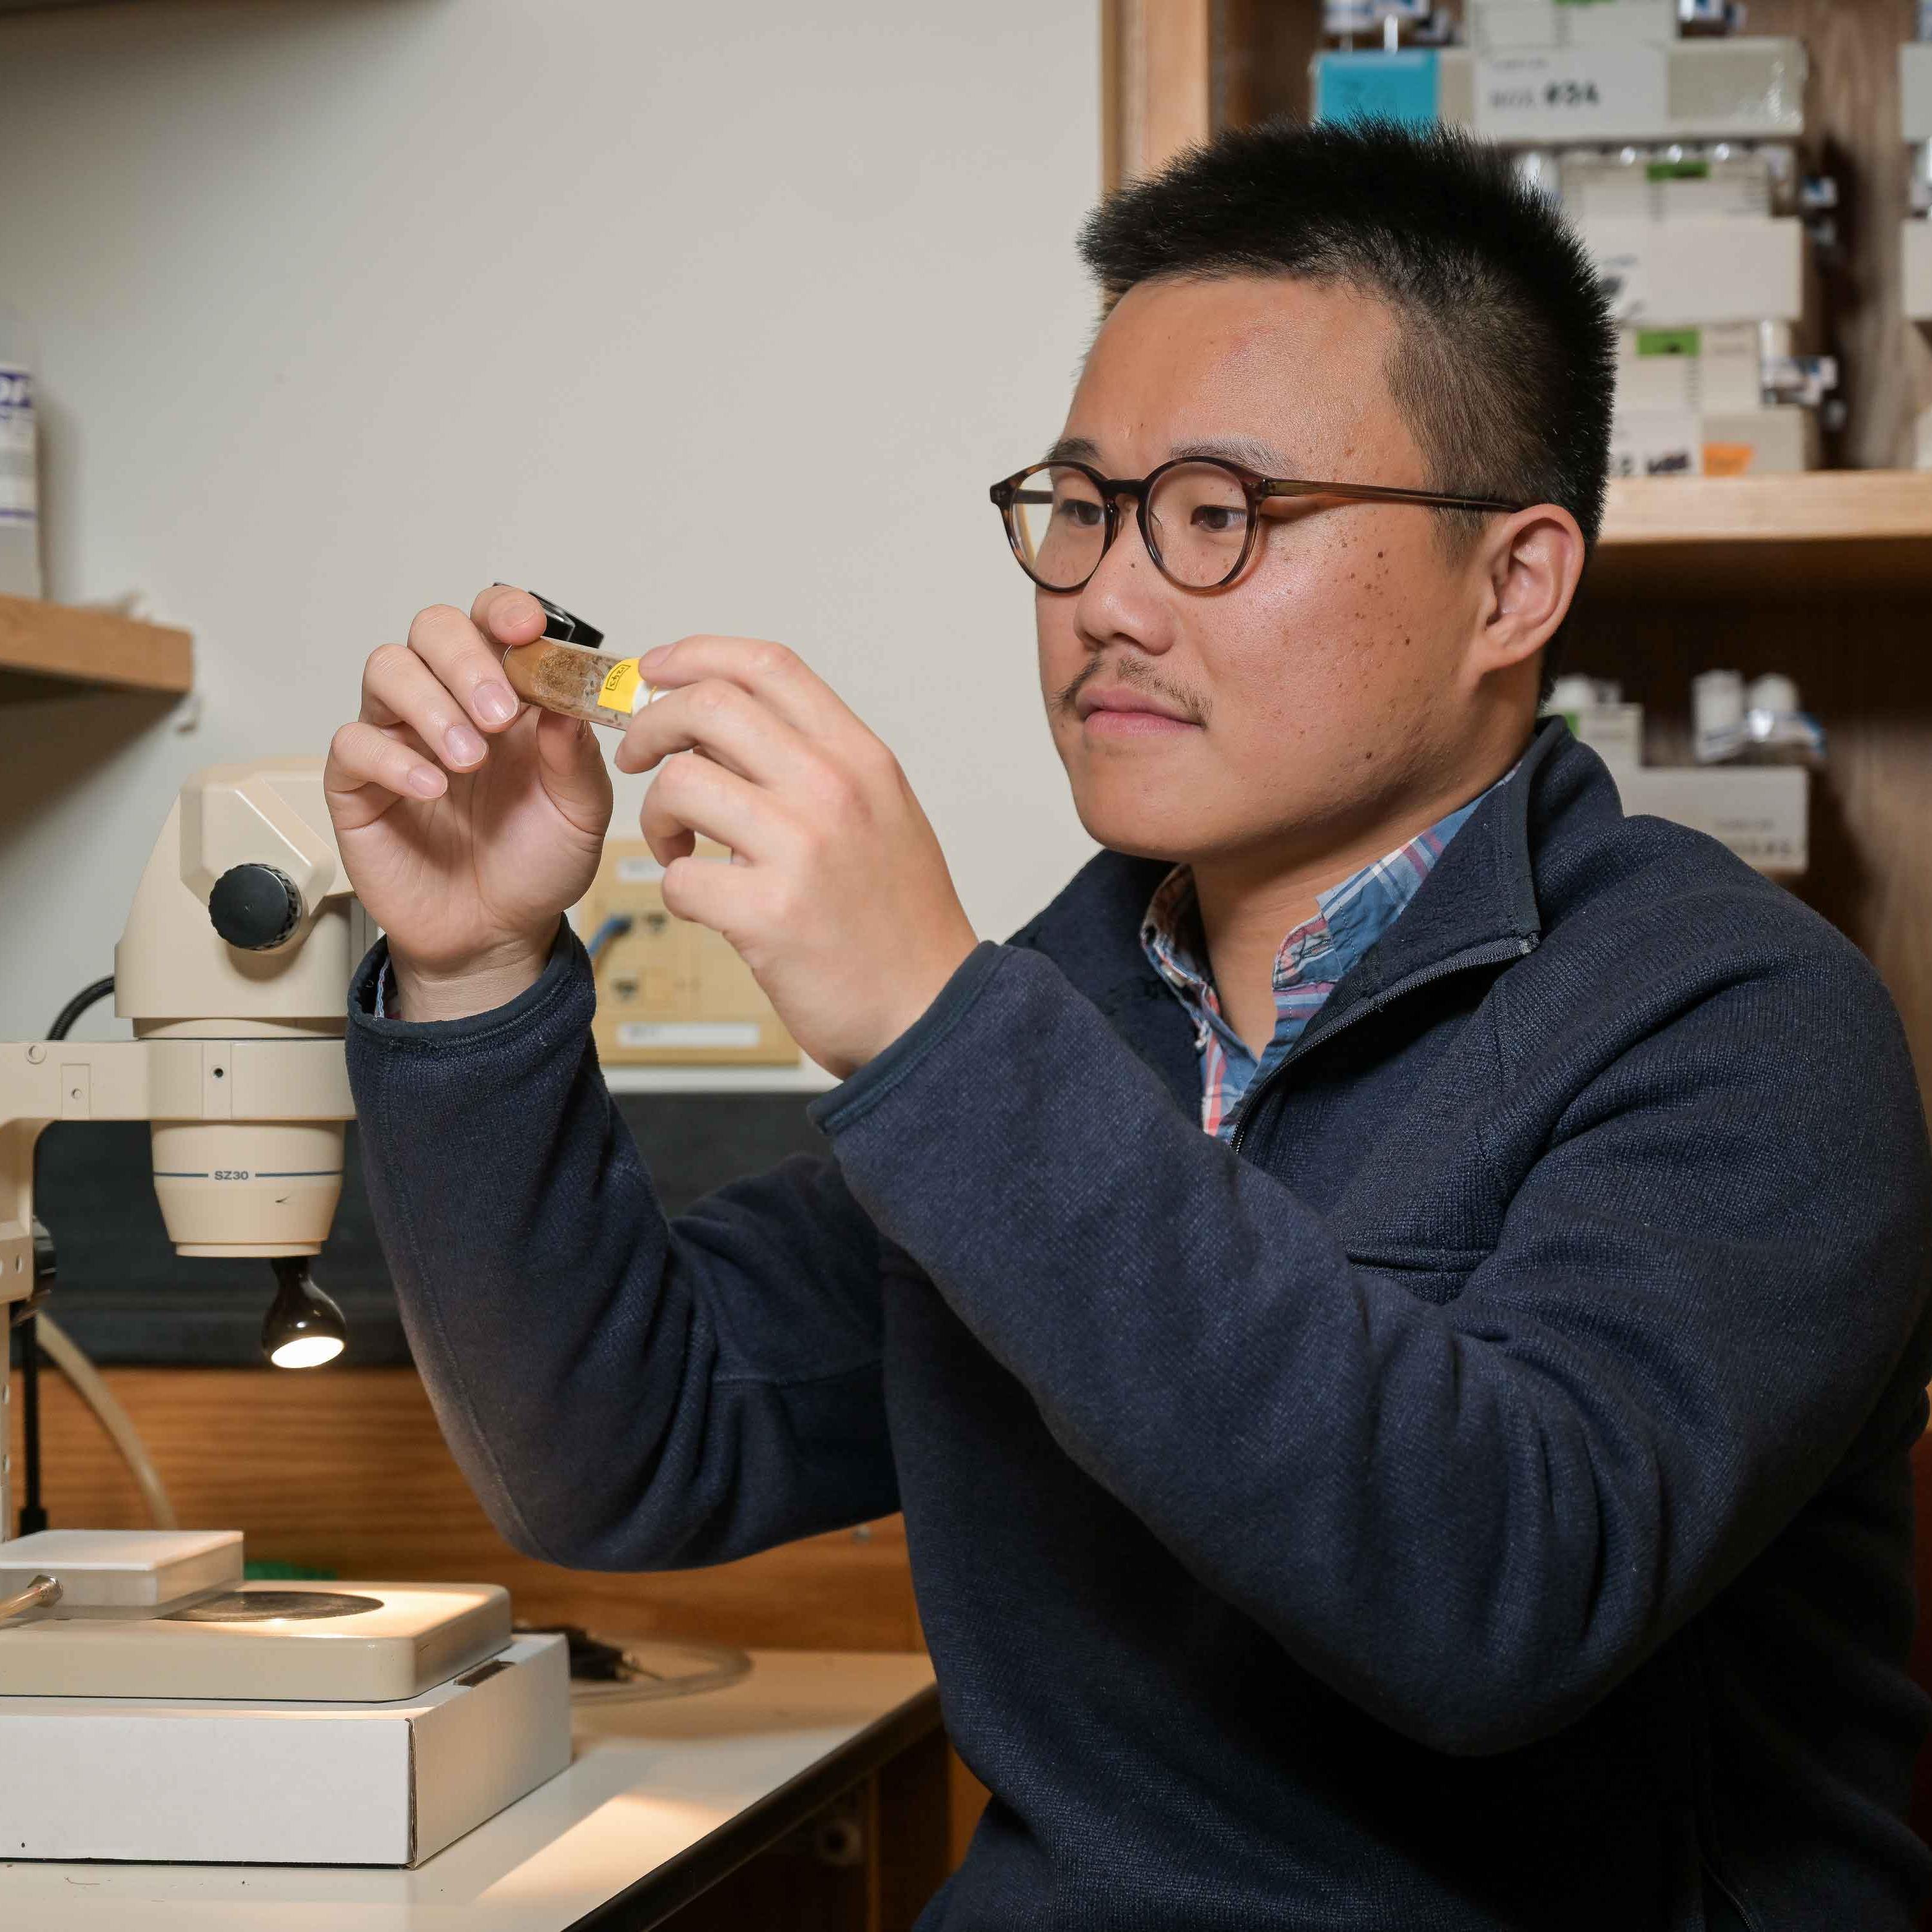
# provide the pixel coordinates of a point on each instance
(1219, 519)
(1082, 512)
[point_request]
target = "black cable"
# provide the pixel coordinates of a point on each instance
(33, 1514)
(78, 1005)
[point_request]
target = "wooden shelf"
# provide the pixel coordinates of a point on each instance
(1826, 533)
(46, 649)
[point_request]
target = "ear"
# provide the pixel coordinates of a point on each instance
(1531, 563)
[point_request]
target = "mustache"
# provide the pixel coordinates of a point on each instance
(1129, 671)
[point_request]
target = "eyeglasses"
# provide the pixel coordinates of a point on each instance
(1198, 517)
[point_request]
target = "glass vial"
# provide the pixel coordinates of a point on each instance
(578, 682)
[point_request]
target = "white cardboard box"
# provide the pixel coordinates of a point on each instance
(1918, 254)
(1776, 442)
(1915, 90)
(1714, 90)
(1718, 367)
(1614, 732)
(227, 1782)
(1497, 26)
(1745, 88)
(1760, 811)
(1681, 274)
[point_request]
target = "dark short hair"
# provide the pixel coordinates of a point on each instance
(1505, 365)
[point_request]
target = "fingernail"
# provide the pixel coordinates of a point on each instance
(463, 745)
(495, 704)
(425, 783)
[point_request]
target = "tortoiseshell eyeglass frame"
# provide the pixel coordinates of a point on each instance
(1009, 493)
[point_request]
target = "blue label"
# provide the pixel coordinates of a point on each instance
(1401, 86)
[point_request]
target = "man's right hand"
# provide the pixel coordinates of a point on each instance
(467, 822)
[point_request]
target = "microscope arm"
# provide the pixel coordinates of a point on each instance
(245, 1130)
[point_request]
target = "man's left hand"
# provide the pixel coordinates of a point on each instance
(837, 895)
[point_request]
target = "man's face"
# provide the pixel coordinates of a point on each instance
(1321, 690)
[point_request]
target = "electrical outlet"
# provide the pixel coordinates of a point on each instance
(671, 994)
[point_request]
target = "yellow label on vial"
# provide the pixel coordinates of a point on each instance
(621, 686)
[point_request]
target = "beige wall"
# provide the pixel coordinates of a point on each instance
(352, 306)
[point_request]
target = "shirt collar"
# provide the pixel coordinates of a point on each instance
(1349, 917)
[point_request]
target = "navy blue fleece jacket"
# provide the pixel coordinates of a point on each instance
(1476, 1498)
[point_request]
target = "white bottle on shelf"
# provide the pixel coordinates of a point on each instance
(19, 465)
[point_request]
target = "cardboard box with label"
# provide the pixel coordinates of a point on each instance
(1917, 269)
(1715, 90)
(1510, 26)
(1759, 442)
(1915, 90)
(1760, 811)
(1676, 274)
(1719, 368)
(1743, 89)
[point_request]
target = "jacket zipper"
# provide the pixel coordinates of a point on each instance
(1496, 953)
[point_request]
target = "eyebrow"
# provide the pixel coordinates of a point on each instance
(1250, 454)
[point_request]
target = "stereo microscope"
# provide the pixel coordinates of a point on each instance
(233, 969)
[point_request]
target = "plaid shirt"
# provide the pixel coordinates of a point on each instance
(1348, 919)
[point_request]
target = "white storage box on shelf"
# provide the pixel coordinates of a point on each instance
(1688, 91)
(1676, 442)
(1512, 26)
(1760, 811)
(1703, 181)
(230, 1781)
(1677, 273)
(1714, 90)
(1719, 366)
(1915, 90)
(1918, 267)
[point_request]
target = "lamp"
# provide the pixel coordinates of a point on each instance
(304, 1328)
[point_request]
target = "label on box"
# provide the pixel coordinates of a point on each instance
(1729, 459)
(1669, 342)
(1572, 94)
(1403, 86)
(1661, 442)
(689, 1033)
(19, 497)
(1626, 279)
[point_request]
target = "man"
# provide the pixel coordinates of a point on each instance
(1463, 1487)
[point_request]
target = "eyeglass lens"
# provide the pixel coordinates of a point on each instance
(1197, 524)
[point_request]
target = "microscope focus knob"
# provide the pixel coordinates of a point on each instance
(254, 907)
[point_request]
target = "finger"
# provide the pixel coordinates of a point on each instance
(573, 771)
(399, 688)
(706, 892)
(693, 796)
(774, 672)
(368, 770)
(726, 722)
(467, 664)
(507, 615)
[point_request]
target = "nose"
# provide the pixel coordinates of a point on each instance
(1126, 601)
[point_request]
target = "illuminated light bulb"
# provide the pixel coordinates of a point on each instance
(304, 1328)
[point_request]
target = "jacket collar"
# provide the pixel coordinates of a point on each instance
(1481, 895)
